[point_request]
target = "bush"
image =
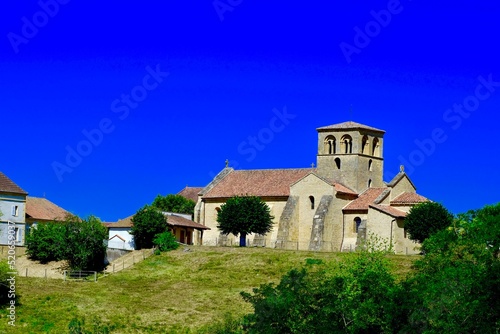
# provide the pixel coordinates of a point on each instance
(357, 296)
(47, 242)
(165, 241)
(4, 283)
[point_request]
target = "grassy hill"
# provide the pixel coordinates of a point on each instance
(176, 292)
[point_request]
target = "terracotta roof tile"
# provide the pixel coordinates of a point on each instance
(348, 126)
(343, 189)
(8, 186)
(365, 199)
(263, 183)
(122, 223)
(190, 193)
(389, 210)
(409, 198)
(43, 209)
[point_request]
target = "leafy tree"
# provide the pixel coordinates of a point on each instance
(47, 242)
(147, 223)
(85, 243)
(456, 286)
(425, 219)
(4, 283)
(174, 203)
(244, 215)
(165, 241)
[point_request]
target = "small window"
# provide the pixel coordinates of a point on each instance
(357, 223)
(375, 148)
(15, 210)
(338, 163)
(369, 183)
(311, 198)
(17, 233)
(370, 165)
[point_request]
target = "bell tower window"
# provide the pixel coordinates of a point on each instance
(338, 163)
(364, 145)
(375, 148)
(330, 145)
(347, 144)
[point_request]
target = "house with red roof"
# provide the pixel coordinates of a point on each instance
(331, 207)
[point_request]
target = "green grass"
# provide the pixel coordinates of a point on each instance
(176, 292)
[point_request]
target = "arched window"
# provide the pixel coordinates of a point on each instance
(311, 198)
(364, 145)
(370, 165)
(330, 145)
(346, 143)
(375, 148)
(357, 223)
(369, 183)
(338, 163)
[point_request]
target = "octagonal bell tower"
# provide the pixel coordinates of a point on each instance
(352, 154)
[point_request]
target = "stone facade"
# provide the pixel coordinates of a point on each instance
(328, 208)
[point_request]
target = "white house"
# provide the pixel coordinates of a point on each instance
(12, 211)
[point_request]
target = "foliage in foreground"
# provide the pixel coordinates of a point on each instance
(147, 223)
(79, 241)
(454, 288)
(244, 215)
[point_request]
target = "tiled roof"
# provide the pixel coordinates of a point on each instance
(190, 193)
(343, 189)
(174, 220)
(365, 199)
(409, 198)
(349, 126)
(43, 209)
(8, 186)
(263, 183)
(389, 210)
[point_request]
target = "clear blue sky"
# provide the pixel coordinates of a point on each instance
(174, 88)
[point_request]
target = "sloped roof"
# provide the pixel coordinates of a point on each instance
(43, 209)
(389, 210)
(338, 186)
(263, 183)
(407, 198)
(190, 193)
(349, 126)
(398, 178)
(343, 189)
(172, 220)
(8, 186)
(365, 199)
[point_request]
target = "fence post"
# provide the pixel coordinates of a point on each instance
(65, 275)
(26, 271)
(113, 268)
(143, 256)
(123, 265)
(95, 276)
(45, 273)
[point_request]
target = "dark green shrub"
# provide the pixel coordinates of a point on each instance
(165, 241)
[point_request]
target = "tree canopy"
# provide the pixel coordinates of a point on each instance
(244, 215)
(147, 223)
(174, 203)
(425, 219)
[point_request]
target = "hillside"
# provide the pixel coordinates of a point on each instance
(176, 292)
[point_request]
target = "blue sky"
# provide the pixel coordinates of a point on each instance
(153, 95)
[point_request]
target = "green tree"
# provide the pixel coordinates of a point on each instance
(5, 283)
(85, 242)
(147, 223)
(47, 242)
(243, 216)
(456, 285)
(425, 219)
(174, 203)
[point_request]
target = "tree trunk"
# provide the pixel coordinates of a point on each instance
(243, 239)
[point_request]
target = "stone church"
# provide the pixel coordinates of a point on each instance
(332, 207)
